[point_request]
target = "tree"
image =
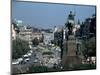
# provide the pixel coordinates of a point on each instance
(19, 48)
(93, 26)
(38, 69)
(89, 47)
(35, 42)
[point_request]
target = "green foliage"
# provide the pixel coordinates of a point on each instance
(84, 67)
(79, 67)
(41, 69)
(19, 47)
(47, 53)
(37, 69)
(91, 43)
(90, 47)
(35, 42)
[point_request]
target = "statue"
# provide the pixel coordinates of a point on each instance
(71, 16)
(70, 22)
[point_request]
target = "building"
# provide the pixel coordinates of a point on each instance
(25, 33)
(37, 35)
(28, 34)
(14, 31)
(76, 28)
(48, 37)
(88, 27)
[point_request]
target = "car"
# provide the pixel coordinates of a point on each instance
(20, 59)
(35, 61)
(15, 62)
(25, 55)
(31, 51)
(26, 60)
(29, 54)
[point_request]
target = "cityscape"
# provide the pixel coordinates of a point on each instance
(57, 45)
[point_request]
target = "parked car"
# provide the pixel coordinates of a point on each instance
(20, 59)
(26, 60)
(17, 61)
(36, 60)
(29, 54)
(25, 55)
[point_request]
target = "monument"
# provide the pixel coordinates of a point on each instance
(70, 22)
(70, 56)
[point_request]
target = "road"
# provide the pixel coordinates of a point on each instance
(35, 59)
(23, 67)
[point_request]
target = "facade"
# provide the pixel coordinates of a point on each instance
(14, 31)
(37, 35)
(28, 34)
(25, 34)
(48, 37)
(88, 27)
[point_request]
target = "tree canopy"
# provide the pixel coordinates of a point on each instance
(35, 41)
(90, 47)
(19, 48)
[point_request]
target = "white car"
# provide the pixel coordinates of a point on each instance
(29, 54)
(20, 59)
(15, 62)
(25, 55)
(35, 61)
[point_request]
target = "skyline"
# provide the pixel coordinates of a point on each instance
(48, 15)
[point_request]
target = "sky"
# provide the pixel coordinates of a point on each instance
(48, 15)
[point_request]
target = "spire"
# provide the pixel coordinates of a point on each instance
(78, 22)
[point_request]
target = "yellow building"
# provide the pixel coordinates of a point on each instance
(13, 32)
